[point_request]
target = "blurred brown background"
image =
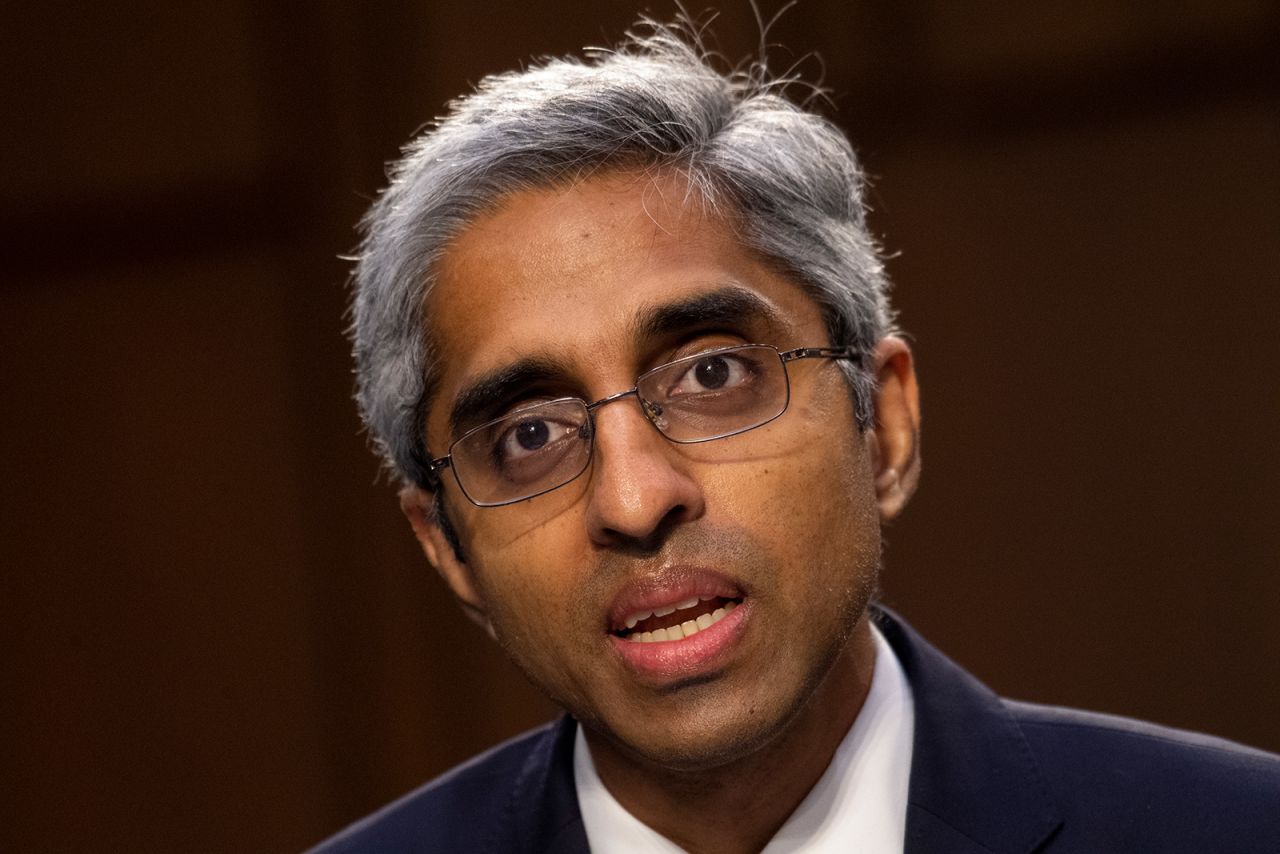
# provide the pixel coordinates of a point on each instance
(218, 634)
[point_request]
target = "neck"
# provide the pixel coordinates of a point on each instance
(738, 807)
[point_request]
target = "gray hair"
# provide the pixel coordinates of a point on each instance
(787, 179)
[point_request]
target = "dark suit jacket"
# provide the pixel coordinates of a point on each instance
(987, 775)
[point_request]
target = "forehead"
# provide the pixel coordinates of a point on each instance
(563, 275)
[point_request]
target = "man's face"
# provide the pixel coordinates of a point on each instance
(595, 284)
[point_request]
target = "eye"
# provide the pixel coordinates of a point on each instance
(529, 436)
(711, 373)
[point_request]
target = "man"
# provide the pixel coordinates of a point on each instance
(622, 331)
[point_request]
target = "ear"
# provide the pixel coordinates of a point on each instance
(419, 507)
(894, 445)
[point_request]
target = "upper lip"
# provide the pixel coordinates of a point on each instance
(666, 588)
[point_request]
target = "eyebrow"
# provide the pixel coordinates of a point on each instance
(481, 400)
(731, 305)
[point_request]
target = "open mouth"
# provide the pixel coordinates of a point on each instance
(676, 621)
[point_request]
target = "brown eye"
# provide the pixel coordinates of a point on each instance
(711, 372)
(531, 435)
(715, 372)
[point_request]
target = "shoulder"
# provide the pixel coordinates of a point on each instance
(1119, 780)
(1005, 775)
(452, 812)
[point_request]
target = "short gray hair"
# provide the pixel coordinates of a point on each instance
(786, 177)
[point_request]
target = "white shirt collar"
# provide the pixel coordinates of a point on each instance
(859, 803)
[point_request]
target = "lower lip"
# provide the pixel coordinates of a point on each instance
(692, 656)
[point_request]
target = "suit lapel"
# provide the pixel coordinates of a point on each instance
(543, 808)
(975, 786)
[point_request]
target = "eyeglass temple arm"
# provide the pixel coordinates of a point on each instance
(849, 352)
(430, 468)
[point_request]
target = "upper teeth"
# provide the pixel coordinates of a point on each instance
(682, 631)
(662, 612)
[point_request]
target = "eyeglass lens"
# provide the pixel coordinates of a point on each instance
(696, 399)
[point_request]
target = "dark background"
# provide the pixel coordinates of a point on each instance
(217, 632)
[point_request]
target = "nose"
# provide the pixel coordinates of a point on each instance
(640, 485)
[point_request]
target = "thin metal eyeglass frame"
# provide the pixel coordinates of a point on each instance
(435, 466)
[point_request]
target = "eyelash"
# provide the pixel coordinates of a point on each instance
(701, 342)
(694, 342)
(523, 400)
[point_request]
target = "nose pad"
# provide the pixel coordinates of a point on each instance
(653, 412)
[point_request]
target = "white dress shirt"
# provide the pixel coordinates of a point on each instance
(859, 803)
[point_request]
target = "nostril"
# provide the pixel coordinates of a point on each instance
(649, 542)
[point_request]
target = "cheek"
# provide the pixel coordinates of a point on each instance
(808, 477)
(526, 577)
(813, 508)
(532, 614)
(823, 500)
(833, 466)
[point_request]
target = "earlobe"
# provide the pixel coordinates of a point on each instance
(894, 447)
(419, 507)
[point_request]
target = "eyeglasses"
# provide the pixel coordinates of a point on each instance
(711, 395)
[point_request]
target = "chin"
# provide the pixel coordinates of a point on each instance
(694, 750)
(714, 728)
